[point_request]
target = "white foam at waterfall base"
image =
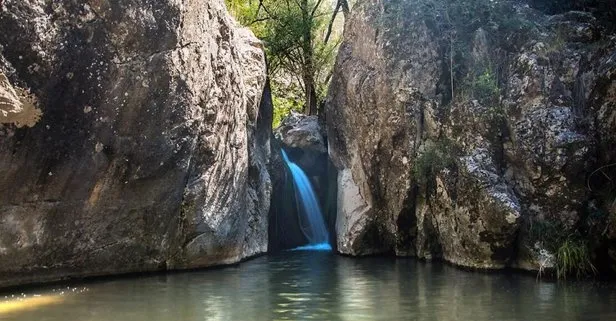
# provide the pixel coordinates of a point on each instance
(314, 247)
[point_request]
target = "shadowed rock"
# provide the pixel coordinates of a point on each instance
(152, 149)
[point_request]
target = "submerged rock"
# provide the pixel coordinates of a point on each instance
(152, 150)
(462, 170)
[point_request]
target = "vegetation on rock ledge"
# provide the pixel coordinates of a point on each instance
(435, 157)
(572, 254)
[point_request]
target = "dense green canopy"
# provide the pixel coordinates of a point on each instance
(300, 48)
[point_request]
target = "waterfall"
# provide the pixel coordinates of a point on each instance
(310, 220)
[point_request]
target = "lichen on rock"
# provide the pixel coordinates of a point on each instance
(458, 133)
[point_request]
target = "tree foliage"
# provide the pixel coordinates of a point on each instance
(455, 24)
(299, 45)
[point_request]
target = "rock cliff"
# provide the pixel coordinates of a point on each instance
(152, 147)
(478, 132)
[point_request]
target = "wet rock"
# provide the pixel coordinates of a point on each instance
(151, 153)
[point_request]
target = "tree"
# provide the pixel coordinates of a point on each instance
(299, 44)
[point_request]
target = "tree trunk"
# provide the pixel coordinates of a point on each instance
(330, 26)
(310, 106)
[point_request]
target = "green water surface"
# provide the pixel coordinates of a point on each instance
(302, 285)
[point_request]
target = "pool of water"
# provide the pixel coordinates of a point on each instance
(306, 285)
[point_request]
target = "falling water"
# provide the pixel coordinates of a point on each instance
(311, 220)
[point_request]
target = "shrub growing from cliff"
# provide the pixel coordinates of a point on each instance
(485, 87)
(434, 158)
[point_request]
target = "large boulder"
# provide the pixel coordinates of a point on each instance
(301, 131)
(303, 139)
(151, 152)
(456, 134)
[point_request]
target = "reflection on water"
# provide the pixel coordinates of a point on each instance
(22, 303)
(314, 247)
(300, 285)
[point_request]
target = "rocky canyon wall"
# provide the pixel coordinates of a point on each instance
(151, 149)
(475, 132)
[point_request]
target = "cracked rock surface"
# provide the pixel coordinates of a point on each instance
(424, 172)
(151, 152)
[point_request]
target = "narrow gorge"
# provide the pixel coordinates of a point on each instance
(334, 159)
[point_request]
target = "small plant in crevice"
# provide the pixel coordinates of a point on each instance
(435, 157)
(485, 88)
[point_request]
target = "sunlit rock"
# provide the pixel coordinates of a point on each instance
(300, 131)
(17, 107)
(455, 138)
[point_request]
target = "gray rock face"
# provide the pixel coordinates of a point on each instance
(151, 153)
(463, 177)
(300, 131)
